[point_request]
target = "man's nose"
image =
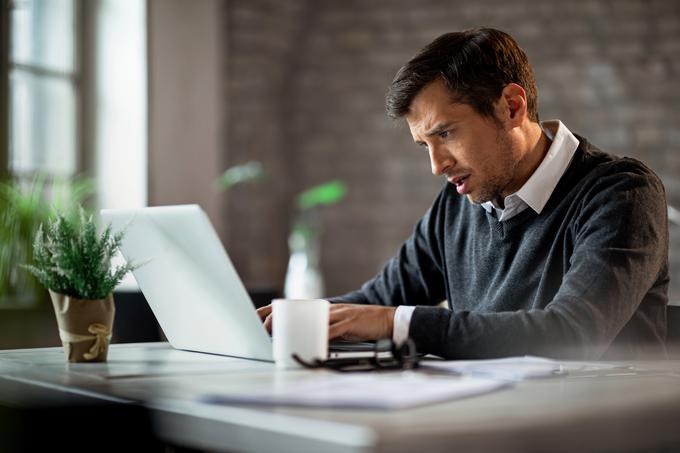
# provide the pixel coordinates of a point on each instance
(440, 160)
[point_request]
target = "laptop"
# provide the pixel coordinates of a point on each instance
(192, 286)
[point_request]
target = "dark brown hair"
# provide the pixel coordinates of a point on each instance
(475, 64)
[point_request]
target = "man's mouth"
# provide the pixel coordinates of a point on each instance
(461, 183)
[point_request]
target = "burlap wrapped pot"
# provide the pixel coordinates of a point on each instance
(85, 326)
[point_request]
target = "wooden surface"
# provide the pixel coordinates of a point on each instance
(604, 411)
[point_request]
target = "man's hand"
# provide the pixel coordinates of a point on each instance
(360, 322)
(265, 314)
(350, 321)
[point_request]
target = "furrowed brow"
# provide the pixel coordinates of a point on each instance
(439, 128)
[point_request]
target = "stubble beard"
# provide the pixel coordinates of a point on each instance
(496, 185)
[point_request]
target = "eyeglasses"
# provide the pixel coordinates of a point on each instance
(386, 356)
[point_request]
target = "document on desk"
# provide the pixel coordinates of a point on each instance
(361, 391)
(510, 368)
(514, 368)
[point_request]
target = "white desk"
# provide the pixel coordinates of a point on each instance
(617, 412)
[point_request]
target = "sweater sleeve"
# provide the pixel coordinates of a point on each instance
(620, 252)
(414, 276)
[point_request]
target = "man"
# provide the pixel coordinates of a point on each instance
(555, 249)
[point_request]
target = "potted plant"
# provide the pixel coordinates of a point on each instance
(303, 276)
(73, 261)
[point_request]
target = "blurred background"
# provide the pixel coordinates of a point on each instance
(131, 103)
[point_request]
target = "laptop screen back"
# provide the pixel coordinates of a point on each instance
(189, 281)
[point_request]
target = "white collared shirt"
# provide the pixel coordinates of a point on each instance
(540, 185)
(533, 194)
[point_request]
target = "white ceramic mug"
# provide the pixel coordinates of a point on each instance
(299, 326)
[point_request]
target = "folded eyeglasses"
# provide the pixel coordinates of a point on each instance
(386, 356)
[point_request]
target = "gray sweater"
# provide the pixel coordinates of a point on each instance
(587, 278)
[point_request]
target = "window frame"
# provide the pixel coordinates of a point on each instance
(4, 88)
(79, 79)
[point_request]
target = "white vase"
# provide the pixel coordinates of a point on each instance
(303, 277)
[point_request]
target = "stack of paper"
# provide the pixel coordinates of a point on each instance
(360, 390)
(514, 368)
(510, 369)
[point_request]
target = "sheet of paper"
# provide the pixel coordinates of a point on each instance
(360, 390)
(514, 368)
(511, 368)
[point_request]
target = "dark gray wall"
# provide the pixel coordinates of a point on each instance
(304, 93)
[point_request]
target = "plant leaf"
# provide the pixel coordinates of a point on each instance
(323, 194)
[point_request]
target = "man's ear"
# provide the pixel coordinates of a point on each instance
(512, 105)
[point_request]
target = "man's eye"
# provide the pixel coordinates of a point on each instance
(422, 144)
(444, 134)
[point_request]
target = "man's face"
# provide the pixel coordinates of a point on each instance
(473, 152)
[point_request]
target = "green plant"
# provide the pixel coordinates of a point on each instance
(323, 194)
(238, 174)
(71, 258)
(303, 277)
(306, 222)
(24, 206)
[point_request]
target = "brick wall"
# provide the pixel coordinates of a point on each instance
(305, 84)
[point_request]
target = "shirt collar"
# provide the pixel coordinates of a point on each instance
(540, 185)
